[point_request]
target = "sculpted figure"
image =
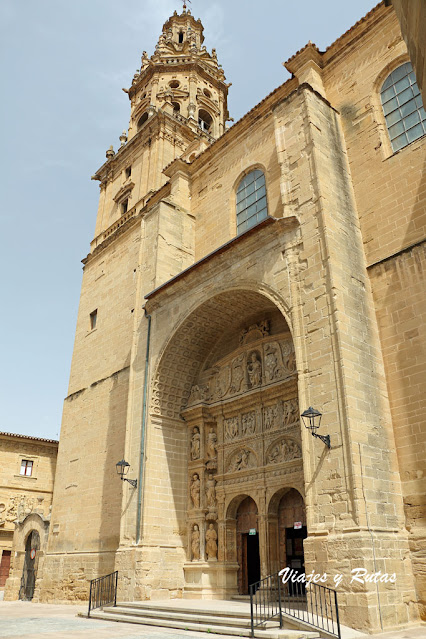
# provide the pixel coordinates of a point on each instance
(195, 443)
(211, 492)
(254, 369)
(195, 490)
(291, 362)
(211, 543)
(241, 460)
(195, 542)
(211, 444)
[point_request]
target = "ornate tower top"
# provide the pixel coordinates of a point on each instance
(181, 77)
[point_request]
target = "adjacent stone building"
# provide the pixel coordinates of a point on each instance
(236, 277)
(27, 472)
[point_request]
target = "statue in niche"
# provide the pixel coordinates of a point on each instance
(195, 542)
(254, 369)
(195, 443)
(211, 492)
(211, 543)
(241, 461)
(195, 490)
(211, 444)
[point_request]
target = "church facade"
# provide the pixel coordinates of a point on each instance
(237, 277)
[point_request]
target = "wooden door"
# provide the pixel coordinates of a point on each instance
(247, 520)
(4, 567)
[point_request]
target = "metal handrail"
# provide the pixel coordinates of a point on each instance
(265, 601)
(313, 604)
(103, 591)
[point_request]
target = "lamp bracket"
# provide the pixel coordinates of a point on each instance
(323, 438)
(132, 482)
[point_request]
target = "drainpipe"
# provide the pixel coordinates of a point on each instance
(143, 427)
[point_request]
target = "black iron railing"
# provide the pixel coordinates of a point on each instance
(265, 601)
(313, 604)
(103, 591)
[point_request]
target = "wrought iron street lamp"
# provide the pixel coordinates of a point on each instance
(122, 469)
(312, 421)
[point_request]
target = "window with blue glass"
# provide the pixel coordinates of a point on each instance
(403, 108)
(252, 206)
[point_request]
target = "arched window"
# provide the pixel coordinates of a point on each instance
(142, 120)
(402, 106)
(252, 207)
(205, 120)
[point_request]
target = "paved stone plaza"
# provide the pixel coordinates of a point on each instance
(45, 621)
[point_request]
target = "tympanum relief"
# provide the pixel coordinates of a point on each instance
(252, 368)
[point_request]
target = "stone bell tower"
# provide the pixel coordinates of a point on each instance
(182, 79)
(178, 107)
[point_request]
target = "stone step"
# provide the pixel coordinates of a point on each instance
(194, 616)
(146, 606)
(213, 625)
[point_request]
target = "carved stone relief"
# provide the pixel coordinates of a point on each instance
(242, 459)
(254, 332)
(248, 424)
(283, 450)
(270, 417)
(232, 428)
(268, 363)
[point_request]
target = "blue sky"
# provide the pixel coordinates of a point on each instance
(63, 65)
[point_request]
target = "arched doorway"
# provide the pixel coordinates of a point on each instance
(29, 574)
(248, 555)
(292, 530)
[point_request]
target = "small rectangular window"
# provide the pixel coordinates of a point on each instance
(128, 171)
(93, 319)
(124, 206)
(26, 467)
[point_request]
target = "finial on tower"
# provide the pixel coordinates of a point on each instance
(184, 3)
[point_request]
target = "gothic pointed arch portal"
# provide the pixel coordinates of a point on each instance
(228, 379)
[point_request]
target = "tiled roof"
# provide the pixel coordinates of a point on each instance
(38, 439)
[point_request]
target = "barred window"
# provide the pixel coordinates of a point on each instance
(402, 106)
(252, 207)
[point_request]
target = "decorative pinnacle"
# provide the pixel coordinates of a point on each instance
(184, 3)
